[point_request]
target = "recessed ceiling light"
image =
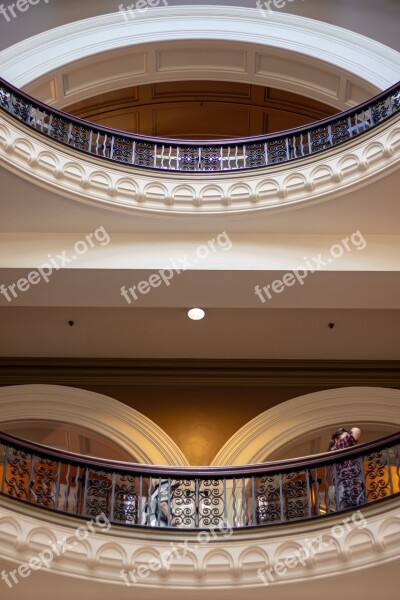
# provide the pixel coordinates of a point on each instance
(196, 314)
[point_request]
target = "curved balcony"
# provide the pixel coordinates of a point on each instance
(208, 155)
(250, 496)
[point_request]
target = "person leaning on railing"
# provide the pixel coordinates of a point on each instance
(347, 487)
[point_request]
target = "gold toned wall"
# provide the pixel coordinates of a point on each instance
(200, 419)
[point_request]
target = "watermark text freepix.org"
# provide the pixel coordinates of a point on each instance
(312, 547)
(55, 263)
(269, 6)
(10, 12)
(55, 550)
(137, 8)
(221, 242)
(355, 240)
(176, 551)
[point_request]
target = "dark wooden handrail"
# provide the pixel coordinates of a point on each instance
(215, 141)
(220, 471)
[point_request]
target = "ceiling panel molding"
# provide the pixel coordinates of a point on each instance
(272, 373)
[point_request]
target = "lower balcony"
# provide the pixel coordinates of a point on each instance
(311, 525)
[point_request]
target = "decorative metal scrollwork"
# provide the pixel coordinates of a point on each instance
(44, 482)
(79, 137)
(396, 100)
(21, 108)
(59, 129)
(98, 496)
(340, 131)
(295, 495)
(255, 155)
(319, 139)
(17, 476)
(277, 151)
(268, 499)
(377, 476)
(380, 111)
(126, 500)
(183, 503)
(4, 97)
(211, 503)
(144, 156)
(122, 149)
(211, 158)
(188, 158)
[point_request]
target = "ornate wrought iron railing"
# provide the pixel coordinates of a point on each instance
(203, 497)
(199, 156)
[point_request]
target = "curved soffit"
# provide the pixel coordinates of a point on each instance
(287, 422)
(366, 59)
(145, 441)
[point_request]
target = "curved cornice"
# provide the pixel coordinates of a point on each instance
(229, 560)
(287, 422)
(145, 441)
(335, 172)
(368, 59)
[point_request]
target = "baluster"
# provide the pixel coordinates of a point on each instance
(140, 500)
(133, 158)
(169, 503)
(281, 497)
(31, 480)
(76, 494)
(197, 503)
(253, 501)
(308, 491)
(234, 514)
(327, 499)
(301, 144)
(317, 501)
(85, 491)
(225, 501)
(66, 488)
(397, 465)
(287, 148)
(155, 156)
(112, 497)
(148, 519)
(389, 471)
(336, 484)
(244, 503)
(3, 480)
(361, 458)
(57, 492)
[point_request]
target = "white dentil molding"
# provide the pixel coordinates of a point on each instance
(94, 181)
(368, 59)
(145, 441)
(227, 562)
(289, 421)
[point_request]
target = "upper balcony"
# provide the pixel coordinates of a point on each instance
(143, 174)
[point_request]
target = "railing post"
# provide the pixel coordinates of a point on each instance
(3, 479)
